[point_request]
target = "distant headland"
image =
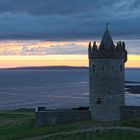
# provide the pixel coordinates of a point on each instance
(45, 68)
(52, 67)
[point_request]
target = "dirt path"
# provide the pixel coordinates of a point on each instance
(91, 129)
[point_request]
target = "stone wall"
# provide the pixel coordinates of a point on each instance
(52, 117)
(129, 112)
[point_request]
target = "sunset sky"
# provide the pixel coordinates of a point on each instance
(57, 32)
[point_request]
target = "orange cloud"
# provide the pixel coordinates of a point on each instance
(48, 53)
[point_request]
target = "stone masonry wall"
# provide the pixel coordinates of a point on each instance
(60, 116)
(129, 112)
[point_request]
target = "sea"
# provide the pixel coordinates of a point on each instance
(52, 88)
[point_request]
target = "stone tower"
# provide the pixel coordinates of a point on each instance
(106, 78)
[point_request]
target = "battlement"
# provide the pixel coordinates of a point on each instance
(107, 49)
(117, 51)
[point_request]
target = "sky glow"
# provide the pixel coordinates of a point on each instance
(54, 32)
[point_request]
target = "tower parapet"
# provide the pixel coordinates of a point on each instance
(107, 49)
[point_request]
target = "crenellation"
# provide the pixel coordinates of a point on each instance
(117, 51)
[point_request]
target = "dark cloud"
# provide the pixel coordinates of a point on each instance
(52, 7)
(135, 5)
(67, 19)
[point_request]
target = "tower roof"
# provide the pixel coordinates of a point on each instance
(107, 41)
(107, 49)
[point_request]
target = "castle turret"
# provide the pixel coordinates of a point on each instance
(106, 78)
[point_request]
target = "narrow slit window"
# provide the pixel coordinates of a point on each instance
(93, 68)
(103, 68)
(99, 100)
(112, 68)
(121, 67)
(91, 79)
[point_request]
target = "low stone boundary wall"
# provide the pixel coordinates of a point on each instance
(129, 112)
(52, 117)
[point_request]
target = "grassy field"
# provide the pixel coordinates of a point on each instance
(19, 124)
(108, 135)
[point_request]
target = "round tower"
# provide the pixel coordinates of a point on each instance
(106, 78)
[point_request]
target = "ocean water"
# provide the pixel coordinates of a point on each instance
(51, 88)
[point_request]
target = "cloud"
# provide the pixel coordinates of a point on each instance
(55, 49)
(66, 7)
(53, 7)
(43, 48)
(58, 48)
(132, 46)
(67, 19)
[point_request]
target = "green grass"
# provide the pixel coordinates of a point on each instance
(131, 122)
(19, 124)
(108, 135)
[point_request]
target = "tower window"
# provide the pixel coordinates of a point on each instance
(93, 68)
(103, 68)
(112, 68)
(121, 67)
(99, 100)
(91, 79)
